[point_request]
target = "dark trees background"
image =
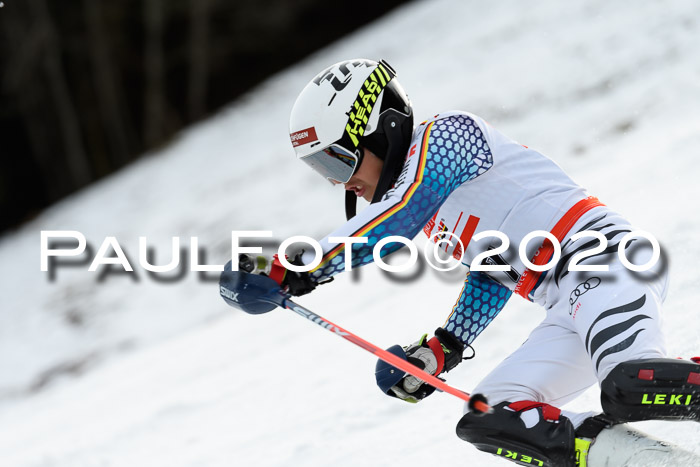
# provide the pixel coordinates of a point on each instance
(88, 85)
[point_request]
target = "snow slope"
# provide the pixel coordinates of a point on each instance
(142, 373)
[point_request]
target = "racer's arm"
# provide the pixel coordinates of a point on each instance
(480, 300)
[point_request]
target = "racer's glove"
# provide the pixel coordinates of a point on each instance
(295, 283)
(437, 355)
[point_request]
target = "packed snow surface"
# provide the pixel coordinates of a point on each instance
(130, 371)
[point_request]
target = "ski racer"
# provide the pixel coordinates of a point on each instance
(456, 176)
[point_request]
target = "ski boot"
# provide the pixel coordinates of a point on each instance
(547, 438)
(653, 389)
(550, 442)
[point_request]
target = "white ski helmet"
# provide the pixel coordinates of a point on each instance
(350, 105)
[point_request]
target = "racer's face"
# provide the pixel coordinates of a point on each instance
(364, 181)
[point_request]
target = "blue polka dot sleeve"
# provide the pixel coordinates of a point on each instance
(478, 304)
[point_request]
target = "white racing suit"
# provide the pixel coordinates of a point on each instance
(464, 177)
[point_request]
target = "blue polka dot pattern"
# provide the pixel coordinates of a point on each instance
(480, 301)
(457, 152)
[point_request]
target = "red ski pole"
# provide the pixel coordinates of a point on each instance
(477, 402)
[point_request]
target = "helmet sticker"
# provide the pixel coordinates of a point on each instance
(339, 77)
(304, 136)
(362, 107)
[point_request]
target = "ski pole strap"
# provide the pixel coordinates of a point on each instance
(436, 347)
(277, 271)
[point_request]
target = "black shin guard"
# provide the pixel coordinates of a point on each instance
(548, 443)
(652, 389)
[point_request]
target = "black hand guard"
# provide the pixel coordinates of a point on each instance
(298, 283)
